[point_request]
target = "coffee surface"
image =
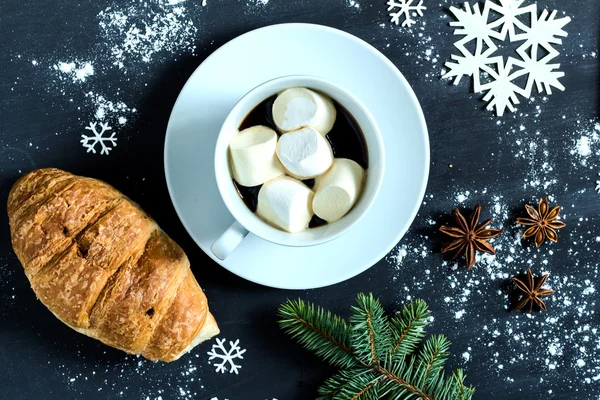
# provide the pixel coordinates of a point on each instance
(346, 139)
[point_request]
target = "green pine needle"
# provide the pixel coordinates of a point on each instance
(350, 384)
(408, 327)
(370, 330)
(319, 331)
(379, 357)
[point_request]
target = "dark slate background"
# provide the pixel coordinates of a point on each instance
(40, 358)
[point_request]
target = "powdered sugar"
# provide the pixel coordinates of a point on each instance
(76, 71)
(142, 30)
(353, 3)
(133, 34)
(554, 342)
(182, 383)
(583, 146)
(105, 108)
(588, 141)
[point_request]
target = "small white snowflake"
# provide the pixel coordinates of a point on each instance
(226, 356)
(598, 185)
(90, 142)
(405, 8)
(518, 24)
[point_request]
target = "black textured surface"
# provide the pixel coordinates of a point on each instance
(40, 126)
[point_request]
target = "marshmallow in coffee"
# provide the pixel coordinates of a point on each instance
(286, 203)
(336, 192)
(298, 108)
(304, 153)
(253, 156)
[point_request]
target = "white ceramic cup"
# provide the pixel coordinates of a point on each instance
(245, 220)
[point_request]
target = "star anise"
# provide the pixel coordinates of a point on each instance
(468, 236)
(532, 291)
(543, 223)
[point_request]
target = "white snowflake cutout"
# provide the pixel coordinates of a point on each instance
(501, 91)
(97, 137)
(598, 185)
(405, 8)
(509, 10)
(218, 351)
(543, 32)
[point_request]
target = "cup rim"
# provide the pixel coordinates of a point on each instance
(225, 185)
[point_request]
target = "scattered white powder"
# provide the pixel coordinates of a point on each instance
(353, 3)
(541, 338)
(587, 143)
(133, 33)
(76, 71)
(461, 197)
(143, 30)
(566, 336)
(136, 377)
(106, 108)
(583, 146)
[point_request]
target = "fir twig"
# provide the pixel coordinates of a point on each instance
(322, 332)
(370, 330)
(378, 356)
(408, 327)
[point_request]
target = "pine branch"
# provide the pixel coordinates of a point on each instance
(321, 332)
(377, 355)
(432, 358)
(352, 384)
(370, 330)
(408, 328)
(399, 373)
(457, 382)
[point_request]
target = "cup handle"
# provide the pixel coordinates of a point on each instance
(228, 241)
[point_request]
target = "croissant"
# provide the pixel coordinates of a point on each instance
(104, 267)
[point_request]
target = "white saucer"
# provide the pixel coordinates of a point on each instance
(297, 49)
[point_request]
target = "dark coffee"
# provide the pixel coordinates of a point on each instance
(346, 139)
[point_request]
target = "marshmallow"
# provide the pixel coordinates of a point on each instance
(300, 108)
(253, 156)
(286, 203)
(305, 153)
(337, 190)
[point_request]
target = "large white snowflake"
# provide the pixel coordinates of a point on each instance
(405, 9)
(97, 137)
(219, 351)
(540, 33)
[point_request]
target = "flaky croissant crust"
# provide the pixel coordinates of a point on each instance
(104, 267)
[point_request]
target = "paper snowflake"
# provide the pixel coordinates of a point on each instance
(405, 9)
(540, 33)
(226, 356)
(90, 142)
(598, 185)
